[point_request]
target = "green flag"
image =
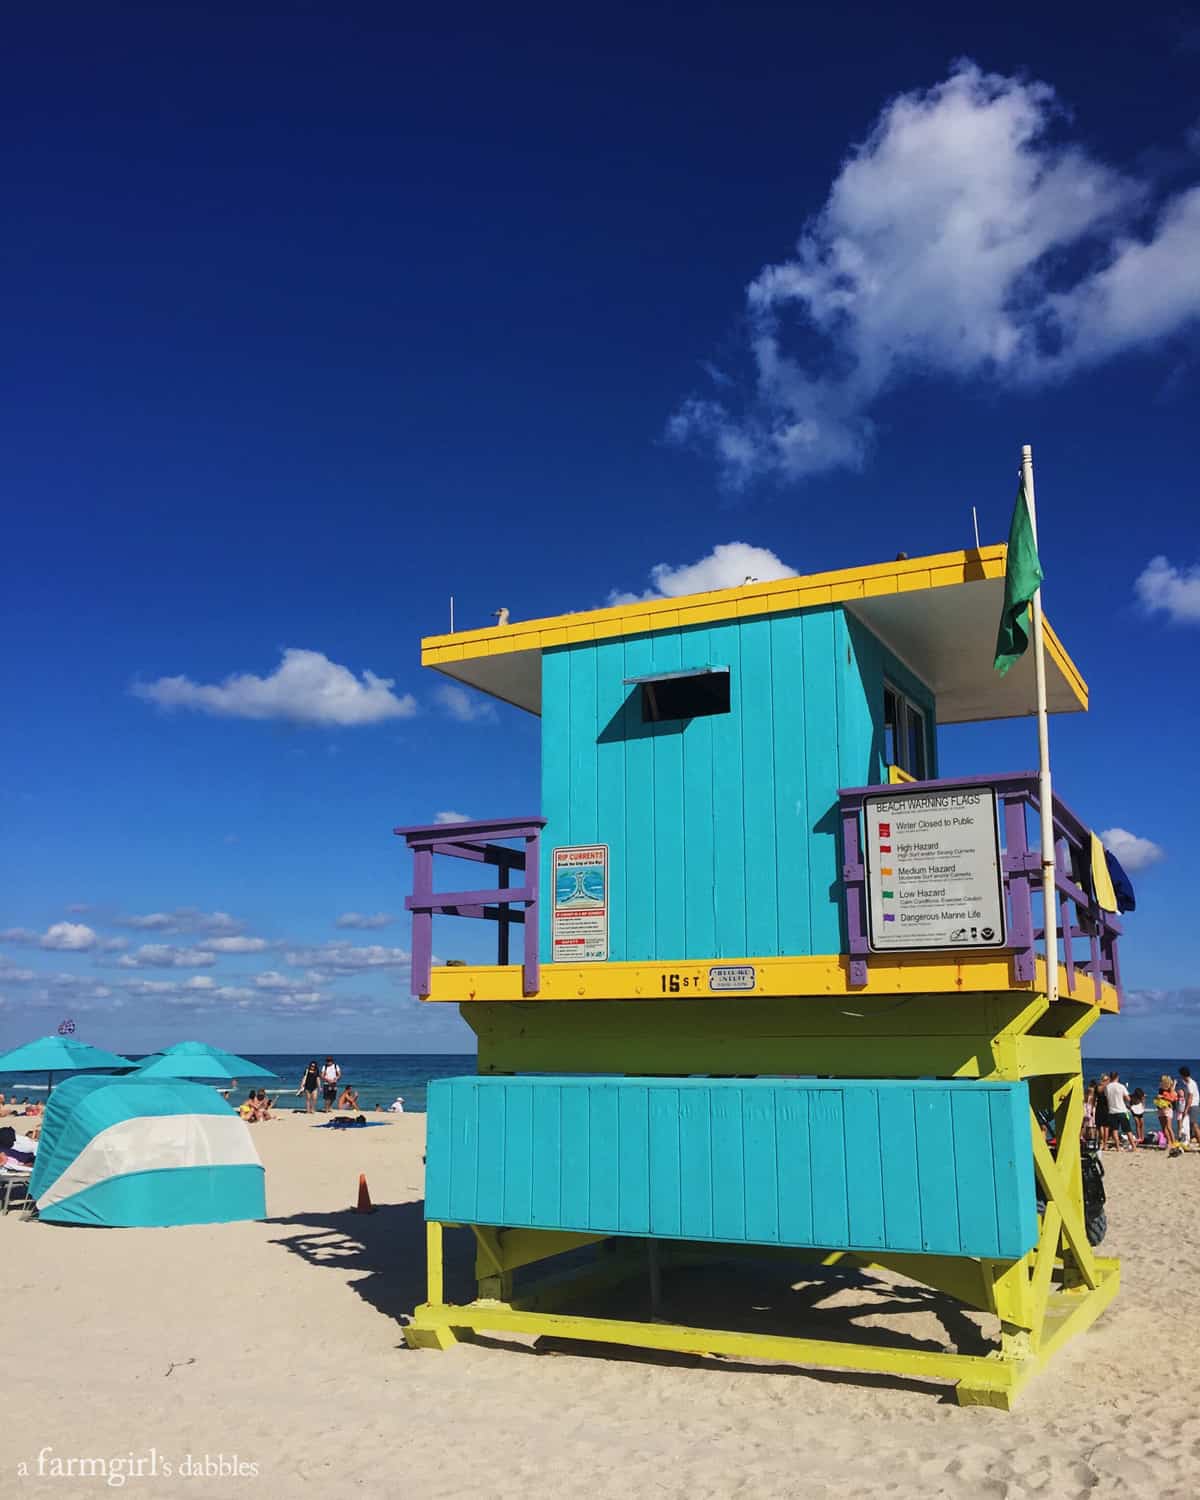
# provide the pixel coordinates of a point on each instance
(1022, 576)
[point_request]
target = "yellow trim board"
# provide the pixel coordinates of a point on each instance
(819, 974)
(801, 592)
(1061, 658)
(998, 1378)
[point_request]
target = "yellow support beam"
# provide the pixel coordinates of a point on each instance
(1052, 1174)
(1045, 1257)
(947, 1036)
(425, 1331)
(984, 1374)
(797, 978)
(510, 1249)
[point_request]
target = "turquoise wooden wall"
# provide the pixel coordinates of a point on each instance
(722, 831)
(937, 1167)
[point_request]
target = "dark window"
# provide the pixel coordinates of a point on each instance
(891, 727)
(685, 695)
(905, 738)
(915, 764)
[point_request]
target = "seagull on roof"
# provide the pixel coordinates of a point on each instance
(749, 578)
(501, 615)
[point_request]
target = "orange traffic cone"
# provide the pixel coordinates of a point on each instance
(364, 1204)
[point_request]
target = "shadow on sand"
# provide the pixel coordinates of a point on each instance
(385, 1251)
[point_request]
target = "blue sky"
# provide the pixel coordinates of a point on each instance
(316, 315)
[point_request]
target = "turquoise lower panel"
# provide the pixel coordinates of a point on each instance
(938, 1167)
(172, 1195)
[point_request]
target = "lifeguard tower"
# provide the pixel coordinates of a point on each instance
(777, 988)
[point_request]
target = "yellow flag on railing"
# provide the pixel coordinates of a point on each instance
(1101, 879)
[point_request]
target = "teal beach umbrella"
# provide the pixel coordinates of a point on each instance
(58, 1054)
(200, 1060)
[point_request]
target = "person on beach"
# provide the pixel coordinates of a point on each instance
(1137, 1108)
(1182, 1123)
(331, 1076)
(1193, 1103)
(247, 1109)
(1102, 1130)
(349, 1098)
(308, 1086)
(263, 1105)
(1164, 1103)
(17, 1152)
(1089, 1113)
(1117, 1096)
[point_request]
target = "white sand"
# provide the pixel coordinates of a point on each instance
(287, 1349)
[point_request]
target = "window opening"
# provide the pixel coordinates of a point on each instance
(905, 735)
(683, 695)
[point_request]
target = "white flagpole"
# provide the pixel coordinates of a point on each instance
(1045, 791)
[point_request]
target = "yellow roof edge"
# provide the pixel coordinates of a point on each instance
(526, 635)
(1062, 659)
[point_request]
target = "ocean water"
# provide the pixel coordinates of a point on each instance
(378, 1076)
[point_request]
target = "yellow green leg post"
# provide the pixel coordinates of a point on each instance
(428, 1327)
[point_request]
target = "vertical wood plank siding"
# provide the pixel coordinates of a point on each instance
(927, 1166)
(722, 830)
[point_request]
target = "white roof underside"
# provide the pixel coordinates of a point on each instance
(946, 636)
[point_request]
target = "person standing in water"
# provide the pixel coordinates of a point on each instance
(308, 1087)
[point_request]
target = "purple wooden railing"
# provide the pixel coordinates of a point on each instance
(504, 904)
(1078, 916)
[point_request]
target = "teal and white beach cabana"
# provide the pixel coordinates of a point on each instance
(136, 1152)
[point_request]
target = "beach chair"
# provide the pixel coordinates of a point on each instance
(14, 1190)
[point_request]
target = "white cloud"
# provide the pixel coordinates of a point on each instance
(727, 566)
(202, 993)
(271, 979)
(1135, 853)
(958, 240)
(466, 708)
(164, 956)
(10, 973)
(59, 937)
(452, 817)
(197, 984)
(345, 958)
(363, 922)
(306, 688)
(1182, 1002)
(1161, 586)
(300, 1000)
(183, 919)
(68, 937)
(80, 991)
(234, 945)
